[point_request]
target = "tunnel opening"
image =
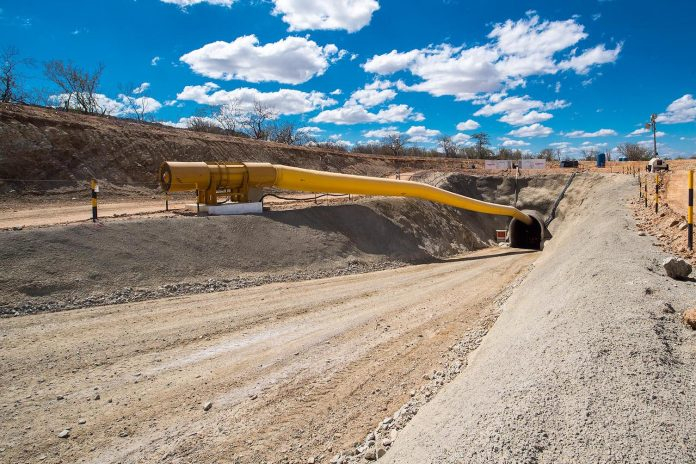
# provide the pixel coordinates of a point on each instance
(530, 236)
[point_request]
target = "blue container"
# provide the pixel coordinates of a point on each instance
(601, 160)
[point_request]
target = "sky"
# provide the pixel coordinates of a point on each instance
(571, 75)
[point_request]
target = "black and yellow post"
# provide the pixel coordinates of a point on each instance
(645, 195)
(95, 190)
(690, 213)
(657, 191)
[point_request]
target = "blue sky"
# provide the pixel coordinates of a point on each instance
(570, 75)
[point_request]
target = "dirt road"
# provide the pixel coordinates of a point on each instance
(293, 371)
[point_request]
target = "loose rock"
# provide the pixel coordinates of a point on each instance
(64, 434)
(207, 406)
(689, 318)
(677, 268)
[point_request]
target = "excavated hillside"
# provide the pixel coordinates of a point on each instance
(82, 264)
(48, 144)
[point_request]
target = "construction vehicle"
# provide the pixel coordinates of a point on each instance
(245, 183)
(657, 164)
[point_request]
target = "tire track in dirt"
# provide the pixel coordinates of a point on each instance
(294, 370)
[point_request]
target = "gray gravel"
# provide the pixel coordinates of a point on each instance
(583, 365)
(131, 295)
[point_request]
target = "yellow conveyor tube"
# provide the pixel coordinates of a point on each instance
(241, 178)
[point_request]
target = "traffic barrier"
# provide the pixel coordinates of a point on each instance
(95, 191)
(657, 192)
(690, 213)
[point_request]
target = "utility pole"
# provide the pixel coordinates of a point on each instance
(653, 125)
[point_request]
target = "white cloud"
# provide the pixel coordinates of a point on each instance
(680, 110)
(119, 107)
(583, 134)
(519, 119)
(141, 88)
(292, 60)
(283, 101)
(381, 133)
(311, 130)
(421, 134)
(185, 3)
(514, 143)
(184, 123)
(516, 50)
(155, 61)
(582, 63)
(357, 114)
(336, 92)
(520, 111)
(373, 94)
(643, 131)
(534, 130)
(518, 105)
(391, 62)
(370, 97)
(469, 124)
(350, 15)
(461, 138)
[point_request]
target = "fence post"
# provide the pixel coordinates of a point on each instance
(645, 196)
(690, 213)
(95, 191)
(657, 191)
(640, 188)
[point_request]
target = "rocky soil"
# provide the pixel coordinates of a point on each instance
(589, 361)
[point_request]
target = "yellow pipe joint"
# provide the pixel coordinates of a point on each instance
(239, 178)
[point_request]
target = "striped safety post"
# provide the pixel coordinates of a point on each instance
(690, 213)
(657, 191)
(95, 191)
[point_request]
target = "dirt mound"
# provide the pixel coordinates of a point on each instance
(583, 365)
(46, 144)
(117, 261)
(83, 264)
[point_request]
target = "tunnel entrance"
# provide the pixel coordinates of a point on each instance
(526, 236)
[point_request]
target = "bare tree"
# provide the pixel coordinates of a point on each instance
(635, 152)
(547, 154)
(395, 143)
(590, 154)
(482, 142)
(256, 121)
(11, 89)
(78, 86)
(229, 116)
(505, 153)
(138, 105)
(449, 147)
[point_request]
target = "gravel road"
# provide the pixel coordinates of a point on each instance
(293, 371)
(587, 362)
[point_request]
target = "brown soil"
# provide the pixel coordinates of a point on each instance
(668, 226)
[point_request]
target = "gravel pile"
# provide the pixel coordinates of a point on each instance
(589, 361)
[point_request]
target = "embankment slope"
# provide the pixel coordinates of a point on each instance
(583, 365)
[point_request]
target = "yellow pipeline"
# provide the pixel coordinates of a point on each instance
(241, 178)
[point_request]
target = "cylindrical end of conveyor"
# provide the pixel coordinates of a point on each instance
(529, 236)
